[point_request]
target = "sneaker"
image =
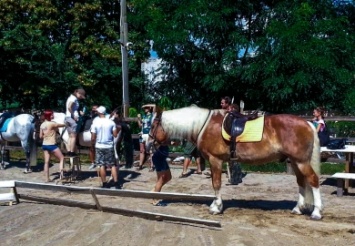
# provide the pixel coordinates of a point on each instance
(92, 166)
(27, 170)
(116, 187)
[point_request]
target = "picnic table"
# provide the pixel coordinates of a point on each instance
(349, 172)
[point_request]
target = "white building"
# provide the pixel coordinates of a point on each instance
(151, 68)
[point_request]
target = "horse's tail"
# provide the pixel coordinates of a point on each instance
(315, 159)
(315, 164)
(32, 144)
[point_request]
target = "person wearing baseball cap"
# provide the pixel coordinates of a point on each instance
(145, 123)
(72, 115)
(103, 131)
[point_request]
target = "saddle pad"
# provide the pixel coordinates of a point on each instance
(5, 125)
(253, 131)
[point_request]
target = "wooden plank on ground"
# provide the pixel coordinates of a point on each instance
(120, 193)
(122, 211)
(7, 197)
(7, 184)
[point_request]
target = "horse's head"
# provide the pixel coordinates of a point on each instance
(157, 133)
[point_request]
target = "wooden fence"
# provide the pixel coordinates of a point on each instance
(93, 192)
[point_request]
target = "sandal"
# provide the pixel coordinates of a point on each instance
(196, 172)
(159, 203)
(139, 168)
(184, 175)
(207, 174)
(151, 169)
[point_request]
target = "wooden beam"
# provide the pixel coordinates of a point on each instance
(122, 211)
(120, 193)
(332, 118)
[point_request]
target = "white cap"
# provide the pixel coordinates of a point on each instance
(101, 110)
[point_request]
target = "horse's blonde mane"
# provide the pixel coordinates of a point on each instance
(184, 123)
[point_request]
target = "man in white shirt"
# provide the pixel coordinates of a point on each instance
(103, 132)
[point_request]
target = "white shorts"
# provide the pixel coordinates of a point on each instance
(144, 138)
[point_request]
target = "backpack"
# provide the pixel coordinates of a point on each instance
(337, 144)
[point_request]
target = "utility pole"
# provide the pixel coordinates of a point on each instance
(123, 37)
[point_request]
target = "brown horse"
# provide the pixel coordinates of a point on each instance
(284, 136)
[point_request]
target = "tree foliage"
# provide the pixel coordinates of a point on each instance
(279, 56)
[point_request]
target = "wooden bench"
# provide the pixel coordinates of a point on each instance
(340, 181)
(9, 197)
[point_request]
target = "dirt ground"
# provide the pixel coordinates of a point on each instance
(256, 212)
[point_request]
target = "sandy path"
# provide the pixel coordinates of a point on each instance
(256, 212)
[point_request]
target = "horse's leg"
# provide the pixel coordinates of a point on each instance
(301, 189)
(28, 155)
(216, 174)
(307, 177)
(2, 163)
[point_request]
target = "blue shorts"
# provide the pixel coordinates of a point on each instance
(159, 158)
(49, 148)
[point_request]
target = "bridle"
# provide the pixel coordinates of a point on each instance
(154, 133)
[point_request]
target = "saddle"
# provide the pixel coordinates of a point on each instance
(4, 118)
(234, 125)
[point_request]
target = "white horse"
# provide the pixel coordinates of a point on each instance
(20, 128)
(84, 138)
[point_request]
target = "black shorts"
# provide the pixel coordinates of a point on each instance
(159, 159)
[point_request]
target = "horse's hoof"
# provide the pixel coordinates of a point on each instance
(216, 209)
(316, 217)
(214, 212)
(296, 210)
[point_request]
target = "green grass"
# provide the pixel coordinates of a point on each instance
(20, 155)
(277, 167)
(273, 167)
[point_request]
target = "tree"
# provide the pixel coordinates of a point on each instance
(302, 52)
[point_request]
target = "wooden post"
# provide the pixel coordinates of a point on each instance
(340, 187)
(123, 36)
(98, 206)
(289, 169)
